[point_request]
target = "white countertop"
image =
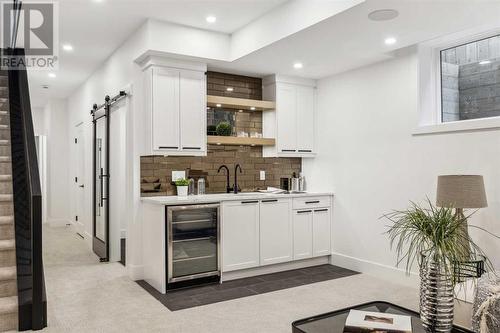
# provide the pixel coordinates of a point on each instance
(211, 198)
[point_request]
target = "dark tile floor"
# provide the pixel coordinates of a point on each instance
(208, 294)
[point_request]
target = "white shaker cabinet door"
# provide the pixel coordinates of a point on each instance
(165, 117)
(286, 115)
(321, 232)
(276, 231)
(302, 234)
(193, 112)
(305, 119)
(240, 235)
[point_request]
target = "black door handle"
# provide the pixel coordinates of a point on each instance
(82, 186)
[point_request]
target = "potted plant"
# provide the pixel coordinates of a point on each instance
(182, 187)
(224, 129)
(433, 237)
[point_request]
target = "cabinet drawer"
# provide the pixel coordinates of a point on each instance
(311, 202)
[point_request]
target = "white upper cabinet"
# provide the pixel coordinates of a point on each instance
(293, 124)
(176, 109)
(193, 106)
(165, 116)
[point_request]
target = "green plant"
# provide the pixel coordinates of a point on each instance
(182, 182)
(432, 233)
(224, 129)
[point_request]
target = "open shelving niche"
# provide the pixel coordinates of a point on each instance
(240, 104)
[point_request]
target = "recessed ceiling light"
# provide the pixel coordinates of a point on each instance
(240, 111)
(485, 62)
(211, 19)
(252, 108)
(67, 47)
(52, 75)
(383, 15)
(229, 89)
(298, 65)
(390, 41)
(218, 105)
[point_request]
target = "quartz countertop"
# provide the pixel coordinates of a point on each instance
(211, 198)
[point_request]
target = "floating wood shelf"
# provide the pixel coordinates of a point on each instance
(240, 103)
(235, 141)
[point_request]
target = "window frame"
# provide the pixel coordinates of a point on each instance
(430, 103)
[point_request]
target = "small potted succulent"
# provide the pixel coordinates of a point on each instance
(182, 187)
(224, 129)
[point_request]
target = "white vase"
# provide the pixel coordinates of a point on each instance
(182, 191)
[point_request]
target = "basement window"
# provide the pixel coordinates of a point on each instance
(470, 80)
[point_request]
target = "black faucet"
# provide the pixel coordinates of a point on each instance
(228, 188)
(235, 186)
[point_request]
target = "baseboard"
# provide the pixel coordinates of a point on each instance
(135, 272)
(59, 222)
(244, 273)
(394, 274)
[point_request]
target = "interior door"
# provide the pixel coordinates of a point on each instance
(79, 181)
(100, 239)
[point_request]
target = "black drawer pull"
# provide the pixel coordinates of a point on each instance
(321, 210)
(250, 202)
(288, 150)
(192, 148)
(305, 151)
(166, 147)
(273, 200)
(312, 202)
(304, 211)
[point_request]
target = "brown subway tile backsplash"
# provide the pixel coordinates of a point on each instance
(156, 171)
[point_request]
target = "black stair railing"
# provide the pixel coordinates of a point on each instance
(27, 203)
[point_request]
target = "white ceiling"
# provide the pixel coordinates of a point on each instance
(96, 29)
(339, 43)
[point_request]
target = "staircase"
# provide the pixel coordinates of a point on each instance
(8, 276)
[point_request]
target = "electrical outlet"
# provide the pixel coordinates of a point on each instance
(176, 175)
(262, 175)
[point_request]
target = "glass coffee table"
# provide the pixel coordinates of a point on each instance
(333, 322)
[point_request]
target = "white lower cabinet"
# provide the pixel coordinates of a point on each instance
(311, 233)
(240, 235)
(321, 232)
(302, 234)
(276, 231)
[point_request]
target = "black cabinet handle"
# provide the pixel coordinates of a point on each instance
(304, 211)
(192, 148)
(274, 200)
(305, 151)
(250, 202)
(312, 202)
(167, 147)
(321, 210)
(288, 150)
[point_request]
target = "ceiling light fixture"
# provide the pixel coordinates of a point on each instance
(298, 65)
(383, 15)
(211, 19)
(485, 62)
(52, 75)
(230, 89)
(67, 47)
(390, 41)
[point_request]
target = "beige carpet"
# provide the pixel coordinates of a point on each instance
(87, 296)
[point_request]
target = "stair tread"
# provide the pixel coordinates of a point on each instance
(8, 219)
(8, 273)
(8, 304)
(7, 244)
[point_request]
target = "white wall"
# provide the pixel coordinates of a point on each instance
(369, 158)
(54, 123)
